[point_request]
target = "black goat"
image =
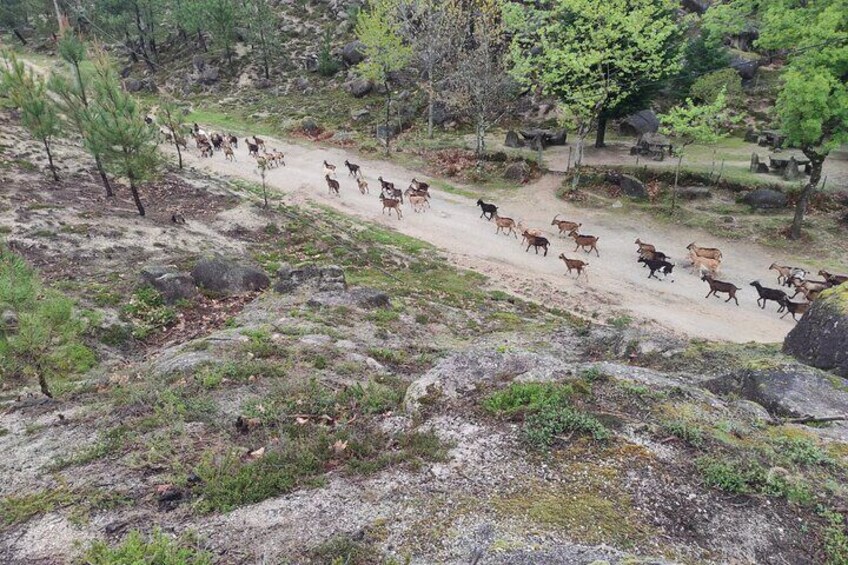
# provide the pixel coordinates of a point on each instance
(657, 265)
(720, 286)
(536, 241)
(768, 294)
(353, 169)
(489, 210)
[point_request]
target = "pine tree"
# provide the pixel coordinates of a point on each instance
(38, 112)
(119, 132)
(73, 99)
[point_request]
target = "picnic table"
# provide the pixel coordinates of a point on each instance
(652, 145)
(545, 137)
(788, 166)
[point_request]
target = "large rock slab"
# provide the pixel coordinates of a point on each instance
(765, 198)
(820, 339)
(463, 374)
(786, 390)
(322, 279)
(353, 53)
(169, 282)
(632, 187)
(362, 297)
(227, 276)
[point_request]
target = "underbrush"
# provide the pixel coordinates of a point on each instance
(42, 333)
(546, 412)
(158, 549)
(306, 430)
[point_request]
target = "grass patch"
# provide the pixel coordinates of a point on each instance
(158, 549)
(148, 312)
(524, 398)
(20, 509)
(548, 425)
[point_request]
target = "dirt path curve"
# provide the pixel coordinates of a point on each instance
(617, 284)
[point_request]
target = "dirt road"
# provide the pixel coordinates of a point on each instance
(616, 283)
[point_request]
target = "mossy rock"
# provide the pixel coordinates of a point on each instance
(820, 339)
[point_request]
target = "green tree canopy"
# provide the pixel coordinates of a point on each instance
(385, 51)
(592, 56)
(812, 106)
(119, 132)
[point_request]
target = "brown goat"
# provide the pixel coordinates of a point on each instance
(575, 265)
(587, 242)
(507, 225)
(391, 204)
(834, 280)
(363, 185)
(419, 203)
(565, 226)
(708, 252)
(793, 308)
(783, 272)
(643, 247)
(720, 286)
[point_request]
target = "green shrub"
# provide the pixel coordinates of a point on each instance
(707, 87)
(525, 398)
(729, 476)
(835, 537)
(159, 549)
(48, 340)
(802, 451)
(230, 482)
(544, 427)
(690, 433)
(148, 312)
(327, 65)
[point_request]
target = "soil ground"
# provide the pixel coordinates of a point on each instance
(616, 284)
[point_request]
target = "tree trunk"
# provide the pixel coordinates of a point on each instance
(816, 163)
(430, 100)
(600, 137)
(50, 159)
(388, 110)
(19, 36)
(582, 132)
(45, 389)
(106, 184)
(177, 145)
(136, 198)
(676, 178)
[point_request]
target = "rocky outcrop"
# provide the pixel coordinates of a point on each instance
(359, 87)
(169, 282)
(517, 172)
(226, 276)
(820, 339)
(353, 53)
(362, 297)
(322, 279)
(461, 375)
(765, 198)
(786, 390)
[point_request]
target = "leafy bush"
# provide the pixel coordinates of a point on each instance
(230, 482)
(148, 312)
(691, 434)
(327, 65)
(160, 549)
(707, 88)
(545, 426)
(750, 477)
(48, 339)
(526, 398)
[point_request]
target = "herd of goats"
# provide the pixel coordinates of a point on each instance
(705, 261)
